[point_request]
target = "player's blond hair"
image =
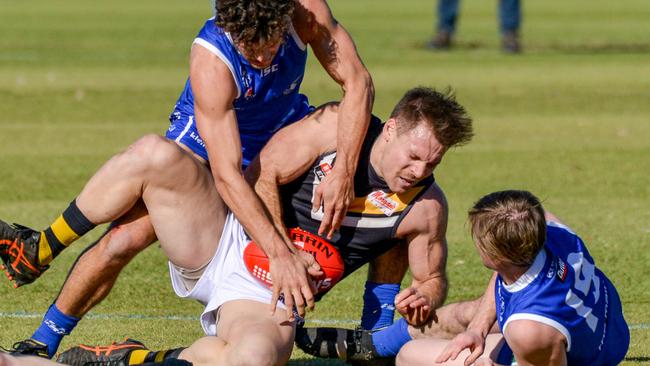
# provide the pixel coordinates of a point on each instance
(509, 226)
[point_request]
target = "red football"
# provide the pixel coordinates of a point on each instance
(325, 254)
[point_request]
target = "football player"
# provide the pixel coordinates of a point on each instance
(551, 303)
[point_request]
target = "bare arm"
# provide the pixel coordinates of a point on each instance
(477, 330)
(425, 228)
(217, 125)
(289, 154)
(335, 50)
(535, 343)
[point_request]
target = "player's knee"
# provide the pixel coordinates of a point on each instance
(122, 243)
(152, 152)
(260, 352)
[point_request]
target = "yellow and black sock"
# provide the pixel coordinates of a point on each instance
(140, 356)
(68, 227)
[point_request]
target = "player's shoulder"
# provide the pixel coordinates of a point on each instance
(432, 199)
(309, 17)
(536, 339)
(428, 214)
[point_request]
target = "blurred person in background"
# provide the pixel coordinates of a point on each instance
(509, 24)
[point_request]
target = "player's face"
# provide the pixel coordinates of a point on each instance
(410, 156)
(260, 55)
(487, 261)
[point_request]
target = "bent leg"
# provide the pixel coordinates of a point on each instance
(247, 334)
(96, 270)
(422, 352)
(178, 191)
(453, 319)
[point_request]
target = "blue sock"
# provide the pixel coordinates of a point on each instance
(378, 304)
(388, 341)
(54, 327)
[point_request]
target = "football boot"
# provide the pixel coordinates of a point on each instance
(28, 347)
(19, 253)
(352, 345)
(115, 354)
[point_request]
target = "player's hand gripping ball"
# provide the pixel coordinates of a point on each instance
(325, 254)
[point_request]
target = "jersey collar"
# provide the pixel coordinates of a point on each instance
(530, 274)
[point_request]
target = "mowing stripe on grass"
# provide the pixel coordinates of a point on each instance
(21, 314)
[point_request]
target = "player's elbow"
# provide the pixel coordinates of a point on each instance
(360, 83)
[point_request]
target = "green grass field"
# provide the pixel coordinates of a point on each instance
(569, 119)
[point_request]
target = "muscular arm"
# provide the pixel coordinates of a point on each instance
(425, 229)
(217, 125)
(335, 50)
(477, 330)
(486, 313)
(289, 154)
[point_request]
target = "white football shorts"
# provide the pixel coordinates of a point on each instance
(225, 278)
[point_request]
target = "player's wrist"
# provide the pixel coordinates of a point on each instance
(480, 329)
(345, 166)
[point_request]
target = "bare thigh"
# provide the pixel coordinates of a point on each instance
(247, 334)
(184, 207)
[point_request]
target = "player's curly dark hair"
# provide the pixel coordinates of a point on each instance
(451, 124)
(254, 21)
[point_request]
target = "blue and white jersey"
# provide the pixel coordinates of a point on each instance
(267, 99)
(564, 289)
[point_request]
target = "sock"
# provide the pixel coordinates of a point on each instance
(388, 341)
(378, 304)
(54, 327)
(67, 228)
(143, 356)
(169, 362)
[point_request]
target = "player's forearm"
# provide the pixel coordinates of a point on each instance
(354, 117)
(486, 313)
(267, 190)
(247, 207)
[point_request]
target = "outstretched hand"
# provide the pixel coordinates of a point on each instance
(292, 278)
(334, 194)
(414, 306)
(468, 339)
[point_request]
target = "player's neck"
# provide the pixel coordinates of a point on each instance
(376, 153)
(511, 273)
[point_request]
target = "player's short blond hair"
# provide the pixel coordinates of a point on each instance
(509, 226)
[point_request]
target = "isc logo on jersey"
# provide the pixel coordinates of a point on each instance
(270, 69)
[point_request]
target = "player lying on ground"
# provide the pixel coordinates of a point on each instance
(555, 306)
(246, 68)
(397, 202)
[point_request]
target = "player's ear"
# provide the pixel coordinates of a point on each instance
(390, 129)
